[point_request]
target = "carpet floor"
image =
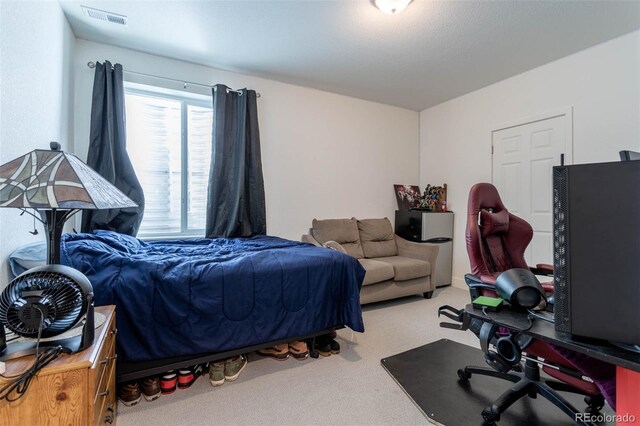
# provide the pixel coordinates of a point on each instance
(350, 388)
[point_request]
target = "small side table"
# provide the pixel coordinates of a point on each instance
(78, 389)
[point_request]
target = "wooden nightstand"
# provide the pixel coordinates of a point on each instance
(78, 389)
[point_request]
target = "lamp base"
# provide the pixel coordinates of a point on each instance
(53, 221)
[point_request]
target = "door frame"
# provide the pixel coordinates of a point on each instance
(559, 112)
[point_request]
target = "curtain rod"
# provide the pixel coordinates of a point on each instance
(92, 65)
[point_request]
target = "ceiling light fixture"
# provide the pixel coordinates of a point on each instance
(391, 7)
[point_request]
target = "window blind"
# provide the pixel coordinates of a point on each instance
(169, 143)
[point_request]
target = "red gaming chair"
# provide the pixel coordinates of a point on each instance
(496, 241)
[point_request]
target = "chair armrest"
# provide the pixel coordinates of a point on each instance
(548, 288)
(477, 284)
(335, 246)
(543, 269)
(306, 238)
(421, 251)
(546, 270)
(488, 279)
(473, 281)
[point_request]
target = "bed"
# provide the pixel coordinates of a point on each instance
(181, 298)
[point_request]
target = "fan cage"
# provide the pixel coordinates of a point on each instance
(47, 293)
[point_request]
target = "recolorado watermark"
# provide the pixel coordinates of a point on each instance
(602, 418)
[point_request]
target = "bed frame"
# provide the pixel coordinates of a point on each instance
(128, 371)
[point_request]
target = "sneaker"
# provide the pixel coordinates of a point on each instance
(322, 346)
(168, 382)
(185, 378)
(278, 352)
(129, 393)
(299, 350)
(233, 367)
(216, 373)
(151, 388)
(199, 369)
(335, 346)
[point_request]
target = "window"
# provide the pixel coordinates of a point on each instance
(169, 143)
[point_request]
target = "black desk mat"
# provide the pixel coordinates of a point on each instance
(428, 375)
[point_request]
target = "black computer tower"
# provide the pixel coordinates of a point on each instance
(596, 225)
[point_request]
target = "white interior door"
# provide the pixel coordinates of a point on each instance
(523, 157)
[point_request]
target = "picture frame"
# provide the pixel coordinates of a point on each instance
(407, 196)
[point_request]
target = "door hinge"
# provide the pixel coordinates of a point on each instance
(491, 149)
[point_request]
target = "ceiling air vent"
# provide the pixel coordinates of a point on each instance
(105, 16)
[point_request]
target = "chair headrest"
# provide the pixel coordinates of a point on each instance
(493, 222)
(484, 196)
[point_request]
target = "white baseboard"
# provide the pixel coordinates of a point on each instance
(458, 282)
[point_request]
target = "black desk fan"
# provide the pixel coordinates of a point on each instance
(45, 302)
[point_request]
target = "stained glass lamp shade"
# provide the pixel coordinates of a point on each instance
(57, 185)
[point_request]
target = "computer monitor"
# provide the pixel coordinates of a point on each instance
(627, 155)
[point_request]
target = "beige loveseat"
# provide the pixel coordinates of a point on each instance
(395, 267)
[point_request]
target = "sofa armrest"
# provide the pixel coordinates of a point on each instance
(422, 251)
(335, 246)
(306, 238)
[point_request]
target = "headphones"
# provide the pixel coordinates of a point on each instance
(508, 351)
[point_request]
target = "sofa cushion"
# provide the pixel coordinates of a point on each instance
(407, 268)
(377, 238)
(343, 231)
(376, 271)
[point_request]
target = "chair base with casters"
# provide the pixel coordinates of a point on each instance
(529, 383)
(506, 364)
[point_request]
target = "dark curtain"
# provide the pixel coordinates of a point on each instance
(235, 199)
(108, 155)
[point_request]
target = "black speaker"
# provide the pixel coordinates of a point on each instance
(596, 238)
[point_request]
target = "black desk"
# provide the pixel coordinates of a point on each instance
(627, 362)
(546, 331)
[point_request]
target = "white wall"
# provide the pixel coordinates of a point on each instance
(601, 83)
(323, 155)
(36, 51)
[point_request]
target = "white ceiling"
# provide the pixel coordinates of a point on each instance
(432, 52)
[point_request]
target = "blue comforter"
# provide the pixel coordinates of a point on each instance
(188, 297)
